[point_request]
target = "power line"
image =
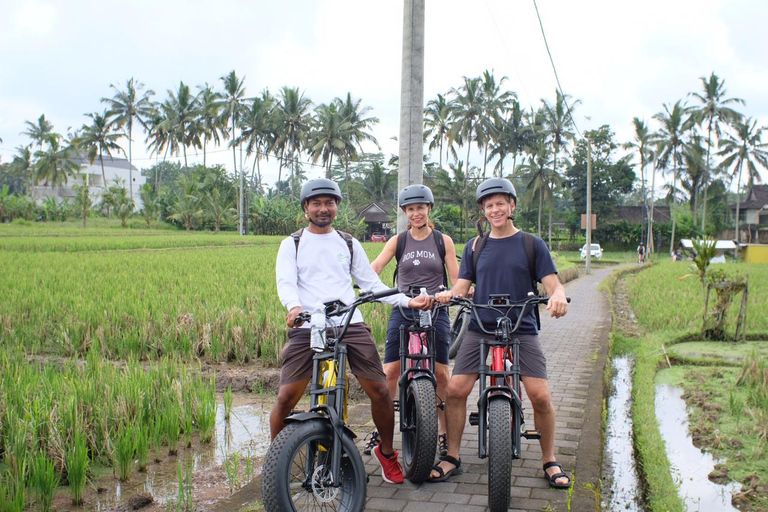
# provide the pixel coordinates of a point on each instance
(557, 78)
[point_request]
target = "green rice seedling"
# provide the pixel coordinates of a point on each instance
(184, 494)
(232, 469)
(248, 466)
(736, 406)
(228, 399)
(206, 412)
(44, 480)
(143, 435)
(12, 493)
(76, 462)
(172, 430)
(125, 451)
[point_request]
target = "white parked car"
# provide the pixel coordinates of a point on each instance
(595, 250)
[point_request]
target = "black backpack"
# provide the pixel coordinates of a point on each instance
(530, 252)
(439, 242)
(346, 236)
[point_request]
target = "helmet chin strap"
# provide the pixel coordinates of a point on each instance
(422, 226)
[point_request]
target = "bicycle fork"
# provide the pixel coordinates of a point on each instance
(327, 396)
(416, 361)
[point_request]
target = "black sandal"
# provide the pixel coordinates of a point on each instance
(444, 476)
(553, 479)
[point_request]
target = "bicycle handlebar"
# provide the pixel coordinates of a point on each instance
(498, 302)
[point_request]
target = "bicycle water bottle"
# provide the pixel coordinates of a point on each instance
(317, 329)
(425, 316)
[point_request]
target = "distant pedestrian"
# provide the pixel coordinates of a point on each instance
(641, 253)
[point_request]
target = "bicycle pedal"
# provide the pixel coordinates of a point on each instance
(396, 403)
(531, 434)
(474, 418)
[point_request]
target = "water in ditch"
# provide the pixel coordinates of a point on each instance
(620, 472)
(690, 466)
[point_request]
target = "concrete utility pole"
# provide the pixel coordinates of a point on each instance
(588, 259)
(411, 101)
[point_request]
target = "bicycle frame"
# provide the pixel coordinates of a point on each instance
(329, 384)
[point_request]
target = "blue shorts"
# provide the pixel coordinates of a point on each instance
(441, 322)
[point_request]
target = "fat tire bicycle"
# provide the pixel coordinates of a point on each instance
(313, 463)
(417, 398)
(500, 404)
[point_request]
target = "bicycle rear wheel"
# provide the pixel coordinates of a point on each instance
(499, 453)
(296, 470)
(420, 429)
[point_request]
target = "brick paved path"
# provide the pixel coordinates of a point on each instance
(575, 346)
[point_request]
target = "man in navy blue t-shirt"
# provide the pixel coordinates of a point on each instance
(502, 268)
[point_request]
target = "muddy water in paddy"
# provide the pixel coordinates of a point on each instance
(690, 466)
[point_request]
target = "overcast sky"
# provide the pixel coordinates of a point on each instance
(620, 59)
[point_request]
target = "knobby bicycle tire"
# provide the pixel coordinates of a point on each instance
(287, 486)
(499, 453)
(458, 330)
(420, 433)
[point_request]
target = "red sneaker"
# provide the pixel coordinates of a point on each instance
(390, 468)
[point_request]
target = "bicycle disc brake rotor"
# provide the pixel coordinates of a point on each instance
(320, 489)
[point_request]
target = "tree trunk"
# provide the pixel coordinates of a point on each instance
(738, 205)
(706, 182)
(130, 161)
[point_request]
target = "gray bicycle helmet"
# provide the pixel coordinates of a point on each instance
(415, 194)
(320, 187)
(495, 186)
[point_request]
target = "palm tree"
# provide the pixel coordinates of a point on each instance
(512, 136)
(209, 119)
(558, 121)
(180, 110)
(150, 204)
(379, 182)
(233, 104)
(96, 139)
(39, 132)
(535, 176)
(292, 124)
(329, 137)
(642, 141)
(746, 147)
(354, 115)
(53, 166)
(257, 130)
(467, 113)
(495, 104)
(23, 166)
(124, 108)
(674, 122)
(185, 210)
(83, 201)
(714, 109)
(437, 125)
(219, 207)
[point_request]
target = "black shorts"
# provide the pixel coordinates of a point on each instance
(362, 355)
(532, 360)
(440, 321)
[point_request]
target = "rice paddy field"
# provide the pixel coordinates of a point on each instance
(101, 333)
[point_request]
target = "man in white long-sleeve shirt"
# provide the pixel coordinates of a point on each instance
(318, 270)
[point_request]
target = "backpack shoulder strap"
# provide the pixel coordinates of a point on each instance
(477, 248)
(440, 243)
(297, 238)
(348, 238)
(530, 251)
(401, 239)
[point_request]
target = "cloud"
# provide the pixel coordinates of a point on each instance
(34, 17)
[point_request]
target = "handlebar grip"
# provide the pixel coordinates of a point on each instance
(384, 293)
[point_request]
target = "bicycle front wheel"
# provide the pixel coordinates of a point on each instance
(296, 474)
(458, 330)
(419, 430)
(499, 453)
